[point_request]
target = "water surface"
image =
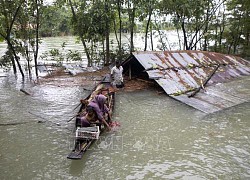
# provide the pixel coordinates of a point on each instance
(159, 138)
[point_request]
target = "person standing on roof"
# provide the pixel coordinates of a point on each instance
(116, 75)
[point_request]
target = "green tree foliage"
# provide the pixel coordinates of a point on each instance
(55, 21)
(9, 13)
(238, 31)
(192, 18)
(214, 25)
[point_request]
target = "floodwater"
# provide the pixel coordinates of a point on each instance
(159, 138)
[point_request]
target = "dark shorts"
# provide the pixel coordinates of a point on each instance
(82, 122)
(120, 85)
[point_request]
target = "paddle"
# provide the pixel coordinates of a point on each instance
(46, 120)
(77, 106)
(17, 123)
(72, 117)
(87, 89)
(14, 123)
(25, 92)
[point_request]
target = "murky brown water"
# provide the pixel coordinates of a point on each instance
(159, 138)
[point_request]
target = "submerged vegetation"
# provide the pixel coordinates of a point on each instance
(211, 25)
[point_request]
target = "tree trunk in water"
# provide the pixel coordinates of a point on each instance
(28, 60)
(120, 27)
(206, 29)
(107, 49)
(147, 27)
(13, 64)
(86, 51)
(151, 38)
(37, 38)
(12, 60)
(10, 47)
(132, 18)
(16, 57)
(81, 34)
(216, 39)
(222, 31)
(229, 48)
(107, 35)
(103, 48)
(115, 31)
(160, 34)
(179, 38)
(185, 35)
(237, 38)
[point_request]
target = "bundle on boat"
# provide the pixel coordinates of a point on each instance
(85, 136)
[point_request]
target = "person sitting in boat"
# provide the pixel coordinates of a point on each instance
(96, 110)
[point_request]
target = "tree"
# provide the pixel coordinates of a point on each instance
(193, 18)
(20, 29)
(238, 33)
(78, 25)
(9, 13)
(59, 21)
(132, 13)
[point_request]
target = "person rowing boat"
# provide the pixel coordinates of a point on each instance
(92, 114)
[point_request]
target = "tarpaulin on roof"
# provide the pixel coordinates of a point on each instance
(181, 73)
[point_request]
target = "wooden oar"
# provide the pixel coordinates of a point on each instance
(17, 123)
(14, 123)
(77, 106)
(110, 101)
(46, 120)
(72, 118)
(38, 116)
(25, 92)
(87, 89)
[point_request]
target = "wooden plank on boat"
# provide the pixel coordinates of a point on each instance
(76, 155)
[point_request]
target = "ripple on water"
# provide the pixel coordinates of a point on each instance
(159, 138)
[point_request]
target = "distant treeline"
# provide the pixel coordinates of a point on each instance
(211, 25)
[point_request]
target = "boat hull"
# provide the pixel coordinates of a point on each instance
(82, 145)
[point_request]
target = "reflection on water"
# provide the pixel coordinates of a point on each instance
(159, 138)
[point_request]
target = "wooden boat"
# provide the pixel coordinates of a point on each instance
(85, 136)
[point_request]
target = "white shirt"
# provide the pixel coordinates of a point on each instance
(117, 74)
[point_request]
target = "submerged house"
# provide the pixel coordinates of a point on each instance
(207, 81)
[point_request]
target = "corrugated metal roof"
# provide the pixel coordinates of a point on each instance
(180, 73)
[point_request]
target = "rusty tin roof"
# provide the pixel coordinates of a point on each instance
(181, 73)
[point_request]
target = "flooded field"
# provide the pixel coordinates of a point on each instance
(159, 138)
